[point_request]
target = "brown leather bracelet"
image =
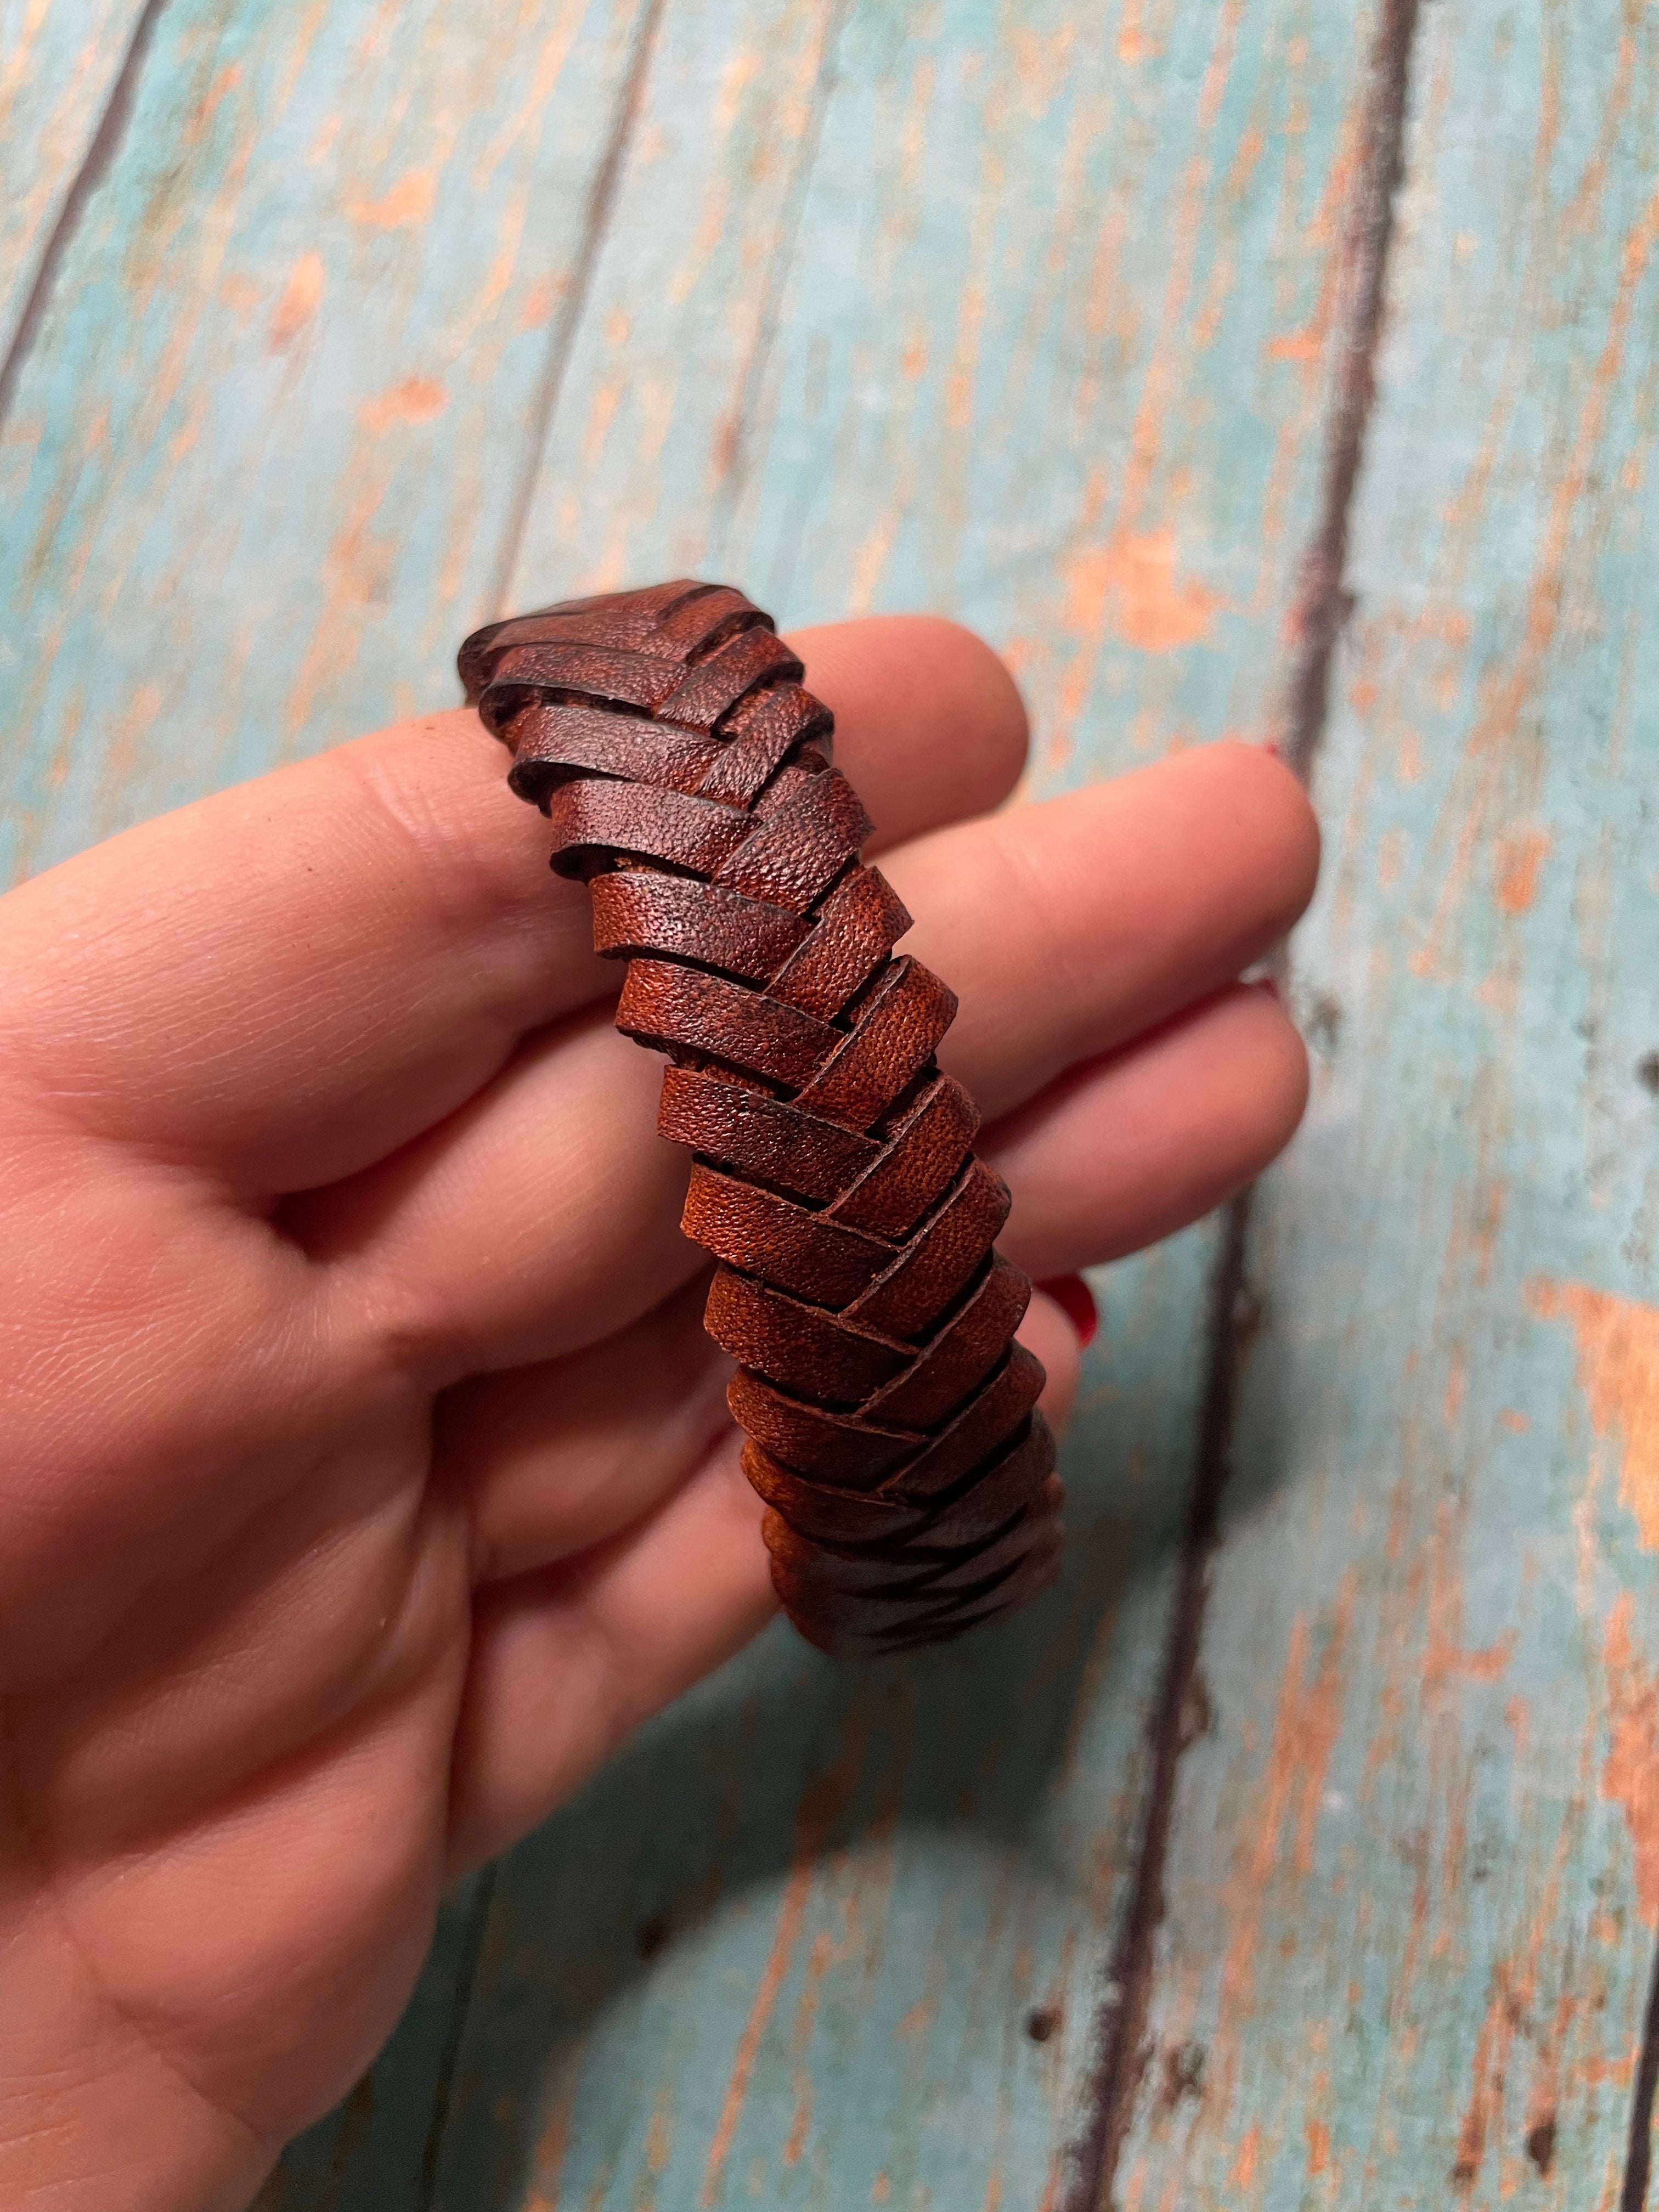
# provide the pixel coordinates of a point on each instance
(891, 1418)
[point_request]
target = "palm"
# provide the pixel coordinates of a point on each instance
(366, 1471)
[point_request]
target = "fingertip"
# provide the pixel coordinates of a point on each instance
(1272, 813)
(1281, 1072)
(1135, 1145)
(930, 723)
(969, 676)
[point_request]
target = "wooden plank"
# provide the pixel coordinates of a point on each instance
(261, 460)
(959, 311)
(1045, 338)
(1410, 1905)
(59, 67)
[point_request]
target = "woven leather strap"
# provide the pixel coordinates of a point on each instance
(891, 1418)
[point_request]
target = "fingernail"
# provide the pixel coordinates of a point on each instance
(1270, 745)
(1077, 1302)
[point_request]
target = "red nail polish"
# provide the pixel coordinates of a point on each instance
(1077, 1302)
(1270, 745)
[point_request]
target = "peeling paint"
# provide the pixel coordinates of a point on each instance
(402, 205)
(301, 296)
(1516, 861)
(416, 399)
(1616, 1342)
(1630, 1777)
(1130, 587)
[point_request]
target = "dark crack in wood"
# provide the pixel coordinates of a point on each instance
(1319, 598)
(1319, 602)
(1122, 2029)
(477, 1917)
(1638, 2154)
(101, 150)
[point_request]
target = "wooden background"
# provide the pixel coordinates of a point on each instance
(1264, 366)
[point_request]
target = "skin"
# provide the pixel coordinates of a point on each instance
(365, 1475)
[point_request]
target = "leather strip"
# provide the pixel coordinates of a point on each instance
(891, 1418)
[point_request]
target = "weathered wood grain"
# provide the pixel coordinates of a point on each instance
(958, 359)
(58, 68)
(1411, 1898)
(1036, 321)
(263, 454)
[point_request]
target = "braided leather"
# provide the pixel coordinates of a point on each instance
(891, 1418)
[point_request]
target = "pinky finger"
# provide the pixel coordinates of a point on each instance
(566, 1663)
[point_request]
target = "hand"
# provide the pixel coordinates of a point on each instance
(365, 1473)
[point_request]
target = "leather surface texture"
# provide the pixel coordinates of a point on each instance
(891, 1420)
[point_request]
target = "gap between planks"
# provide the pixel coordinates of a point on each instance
(101, 149)
(766, 324)
(1320, 607)
(1124, 2002)
(460, 2003)
(1320, 604)
(1633, 2196)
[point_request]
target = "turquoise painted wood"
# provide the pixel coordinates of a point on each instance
(862, 1891)
(1038, 314)
(1415, 1877)
(58, 67)
(1027, 314)
(261, 459)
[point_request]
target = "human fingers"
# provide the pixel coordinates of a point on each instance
(547, 1461)
(289, 981)
(1066, 928)
(567, 1663)
(544, 1216)
(1049, 1332)
(1127, 1149)
(539, 1219)
(550, 1460)
(554, 1458)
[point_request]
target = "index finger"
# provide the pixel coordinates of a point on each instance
(289, 981)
